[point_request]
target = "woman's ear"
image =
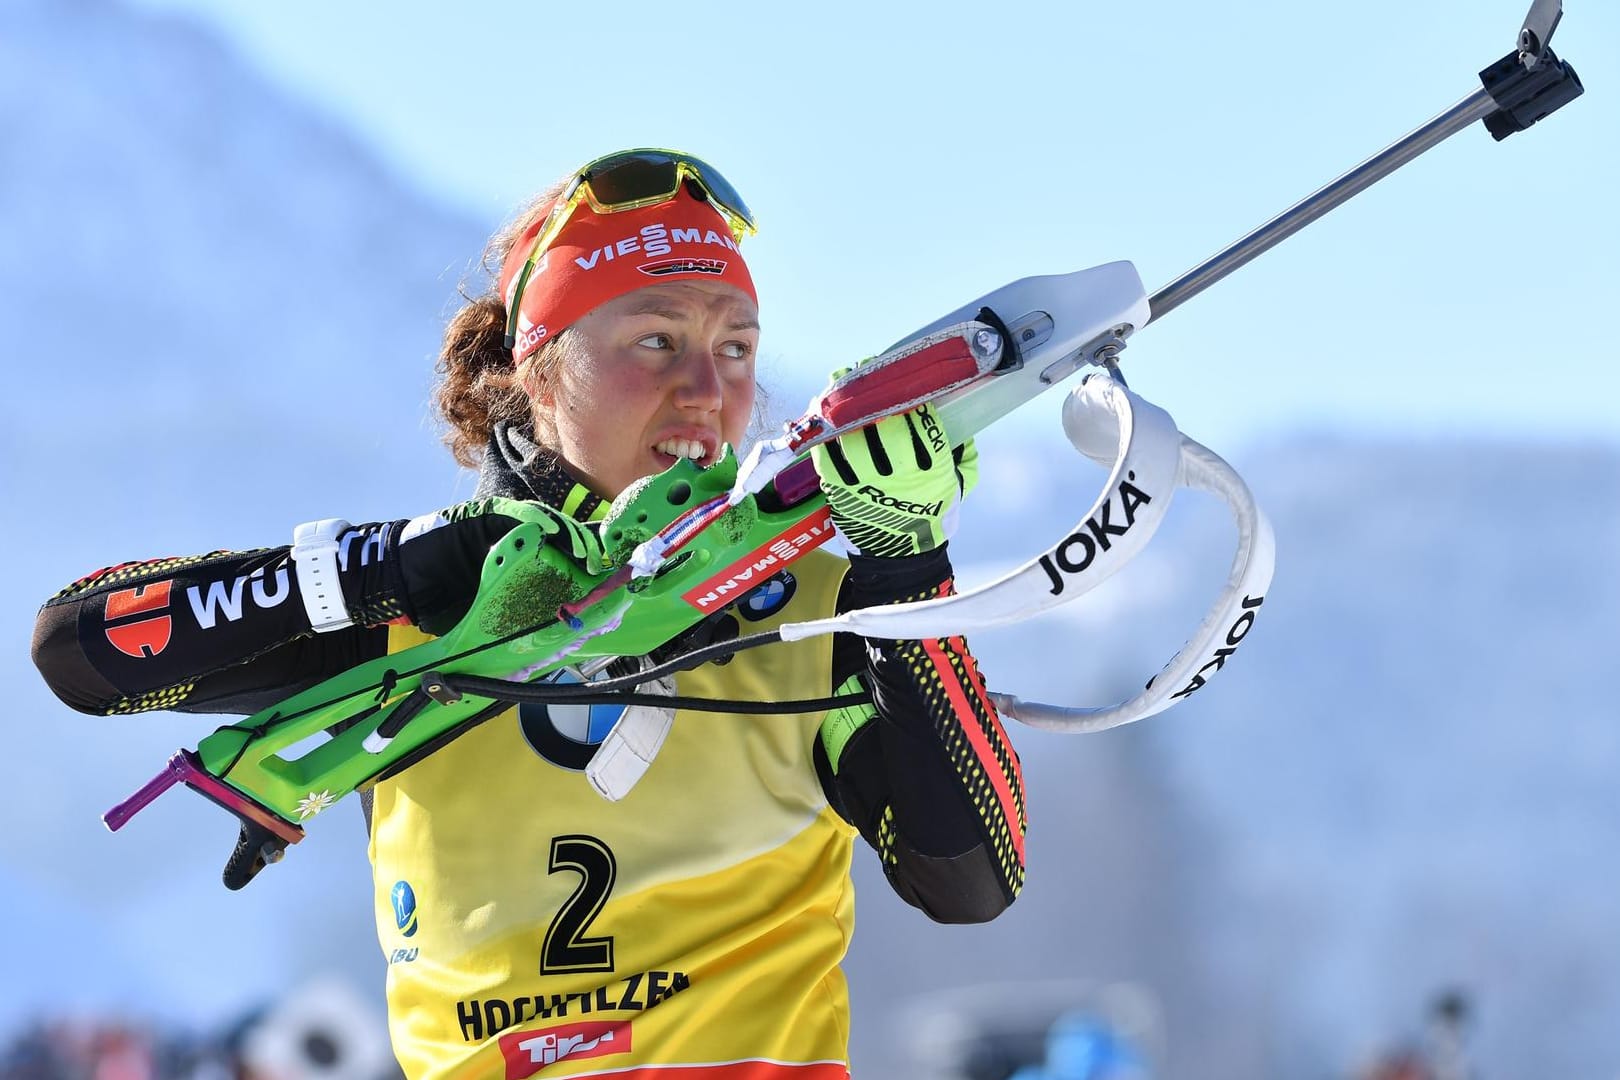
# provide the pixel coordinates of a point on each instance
(538, 377)
(540, 385)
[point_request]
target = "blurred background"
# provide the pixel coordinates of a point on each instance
(1383, 840)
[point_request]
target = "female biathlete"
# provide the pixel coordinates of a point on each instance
(695, 926)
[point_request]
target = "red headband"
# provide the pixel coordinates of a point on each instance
(597, 258)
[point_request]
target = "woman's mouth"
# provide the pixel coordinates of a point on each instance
(690, 449)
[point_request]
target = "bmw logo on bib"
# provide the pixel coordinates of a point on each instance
(769, 598)
(567, 735)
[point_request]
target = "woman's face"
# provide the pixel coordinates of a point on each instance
(663, 372)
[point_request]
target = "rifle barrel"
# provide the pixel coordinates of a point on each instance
(1475, 106)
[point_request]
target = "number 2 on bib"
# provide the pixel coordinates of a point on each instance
(567, 949)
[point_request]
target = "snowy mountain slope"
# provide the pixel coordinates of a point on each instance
(222, 316)
(181, 240)
(1402, 782)
(55, 925)
(1418, 752)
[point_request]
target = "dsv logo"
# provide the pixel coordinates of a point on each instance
(1076, 552)
(666, 267)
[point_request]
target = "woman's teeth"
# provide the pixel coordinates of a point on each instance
(681, 448)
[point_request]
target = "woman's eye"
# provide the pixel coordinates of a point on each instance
(735, 350)
(657, 341)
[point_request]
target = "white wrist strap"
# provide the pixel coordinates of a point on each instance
(315, 561)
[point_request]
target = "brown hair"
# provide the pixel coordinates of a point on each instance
(479, 385)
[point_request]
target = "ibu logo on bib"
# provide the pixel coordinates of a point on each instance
(404, 901)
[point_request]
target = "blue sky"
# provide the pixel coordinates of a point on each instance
(905, 159)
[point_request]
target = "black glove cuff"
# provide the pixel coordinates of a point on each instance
(439, 571)
(373, 587)
(875, 579)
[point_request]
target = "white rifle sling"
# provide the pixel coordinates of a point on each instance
(1105, 420)
(1224, 627)
(1151, 458)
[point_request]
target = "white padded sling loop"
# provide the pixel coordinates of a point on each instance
(1150, 458)
(1224, 627)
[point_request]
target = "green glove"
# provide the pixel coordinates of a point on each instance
(894, 486)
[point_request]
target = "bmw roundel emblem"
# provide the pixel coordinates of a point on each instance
(768, 599)
(404, 901)
(563, 734)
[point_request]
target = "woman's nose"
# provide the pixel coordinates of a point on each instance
(698, 383)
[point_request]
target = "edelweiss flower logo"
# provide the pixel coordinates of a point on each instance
(314, 803)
